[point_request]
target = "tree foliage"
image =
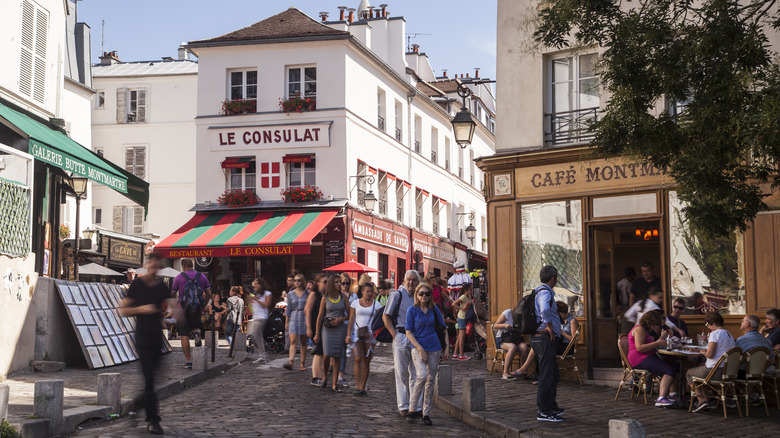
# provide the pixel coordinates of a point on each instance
(712, 58)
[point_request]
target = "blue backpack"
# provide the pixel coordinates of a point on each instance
(191, 296)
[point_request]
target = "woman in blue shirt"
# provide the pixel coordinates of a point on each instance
(421, 321)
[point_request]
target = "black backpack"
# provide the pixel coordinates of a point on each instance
(191, 295)
(381, 334)
(524, 315)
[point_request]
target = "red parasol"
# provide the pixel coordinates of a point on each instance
(351, 267)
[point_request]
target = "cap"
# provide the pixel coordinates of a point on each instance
(459, 265)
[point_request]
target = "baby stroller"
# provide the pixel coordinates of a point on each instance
(476, 335)
(274, 331)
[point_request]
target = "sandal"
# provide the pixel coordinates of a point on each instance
(288, 366)
(516, 374)
(302, 368)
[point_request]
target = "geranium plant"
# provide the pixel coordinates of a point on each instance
(238, 198)
(297, 104)
(301, 194)
(64, 231)
(238, 106)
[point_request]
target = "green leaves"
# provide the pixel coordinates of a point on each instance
(693, 89)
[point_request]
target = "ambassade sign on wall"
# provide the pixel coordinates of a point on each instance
(269, 136)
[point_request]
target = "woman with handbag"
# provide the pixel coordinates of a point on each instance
(424, 327)
(361, 314)
(331, 326)
(510, 340)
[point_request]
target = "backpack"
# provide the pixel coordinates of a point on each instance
(524, 316)
(191, 295)
(378, 324)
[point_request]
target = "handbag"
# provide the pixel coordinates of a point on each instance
(363, 333)
(441, 330)
(511, 336)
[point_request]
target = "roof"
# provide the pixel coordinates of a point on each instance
(146, 68)
(291, 23)
(447, 86)
(429, 90)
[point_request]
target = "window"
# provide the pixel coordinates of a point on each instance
(447, 153)
(242, 84)
(434, 145)
(383, 193)
(97, 215)
(676, 107)
(435, 208)
(100, 99)
(461, 152)
(131, 105)
(399, 200)
(419, 199)
(380, 109)
(473, 167)
(398, 122)
(301, 174)
(573, 99)
(128, 219)
(362, 184)
(99, 151)
(135, 160)
(243, 178)
(302, 82)
(417, 133)
(32, 66)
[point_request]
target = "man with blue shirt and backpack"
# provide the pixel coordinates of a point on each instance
(194, 291)
(545, 344)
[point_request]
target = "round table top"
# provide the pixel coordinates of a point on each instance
(686, 351)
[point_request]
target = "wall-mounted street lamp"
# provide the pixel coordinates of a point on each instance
(464, 124)
(471, 230)
(79, 186)
(369, 199)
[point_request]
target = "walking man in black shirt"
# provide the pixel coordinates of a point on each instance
(144, 301)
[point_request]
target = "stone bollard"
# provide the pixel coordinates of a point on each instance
(240, 344)
(626, 429)
(200, 358)
(444, 380)
(5, 392)
(207, 338)
(109, 391)
(474, 394)
(48, 402)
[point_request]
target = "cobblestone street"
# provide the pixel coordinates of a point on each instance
(267, 400)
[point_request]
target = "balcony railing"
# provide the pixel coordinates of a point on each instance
(417, 146)
(434, 156)
(460, 172)
(471, 179)
(435, 228)
(569, 127)
(361, 198)
(399, 214)
(449, 233)
(418, 221)
(380, 123)
(446, 164)
(398, 134)
(383, 207)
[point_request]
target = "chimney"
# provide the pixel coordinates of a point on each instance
(341, 12)
(351, 15)
(370, 13)
(476, 72)
(444, 71)
(384, 9)
(109, 58)
(467, 75)
(183, 53)
(324, 16)
(416, 48)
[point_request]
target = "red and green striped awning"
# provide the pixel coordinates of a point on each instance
(265, 233)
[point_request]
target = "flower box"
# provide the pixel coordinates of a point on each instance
(297, 104)
(238, 106)
(301, 194)
(238, 198)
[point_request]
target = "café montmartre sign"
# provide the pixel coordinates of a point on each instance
(588, 175)
(269, 136)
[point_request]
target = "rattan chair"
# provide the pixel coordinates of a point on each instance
(731, 361)
(755, 361)
(570, 352)
(773, 380)
(498, 353)
(637, 379)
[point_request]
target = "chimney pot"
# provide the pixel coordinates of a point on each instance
(351, 15)
(416, 48)
(445, 73)
(476, 72)
(341, 12)
(384, 9)
(467, 75)
(324, 16)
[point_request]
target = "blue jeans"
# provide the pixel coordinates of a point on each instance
(229, 327)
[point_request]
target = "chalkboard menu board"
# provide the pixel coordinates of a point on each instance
(334, 253)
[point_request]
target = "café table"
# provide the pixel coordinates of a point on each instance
(681, 353)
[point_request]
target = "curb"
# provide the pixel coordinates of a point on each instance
(477, 420)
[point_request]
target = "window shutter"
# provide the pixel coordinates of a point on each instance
(27, 43)
(130, 160)
(141, 106)
(41, 34)
(117, 222)
(121, 111)
(140, 162)
(138, 220)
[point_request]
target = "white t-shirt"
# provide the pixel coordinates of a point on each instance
(258, 311)
(363, 317)
(507, 320)
(724, 341)
(635, 313)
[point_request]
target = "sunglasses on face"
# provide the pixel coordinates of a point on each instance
(424, 294)
(344, 283)
(679, 307)
(298, 281)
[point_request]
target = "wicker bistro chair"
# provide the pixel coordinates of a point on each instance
(755, 368)
(637, 379)
(731, 361)
(773, 380)
(498, 354)
(570, 352)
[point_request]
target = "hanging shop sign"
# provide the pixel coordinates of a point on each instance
(377, 234)
(269, 136)
(435, 252)
(126, 252)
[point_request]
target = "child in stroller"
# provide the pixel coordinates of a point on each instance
(274, 331)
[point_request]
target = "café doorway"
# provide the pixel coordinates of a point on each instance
(613, 248)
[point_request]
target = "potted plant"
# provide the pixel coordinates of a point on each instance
(238, 106)
(297, 104)
(64, 232)
(238, 198)
(301, 194)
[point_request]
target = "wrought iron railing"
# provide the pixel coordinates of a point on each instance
(398, 134)
(446, 164)
(460, 172)
(449, 233)
(569, 127)
(435, 228)
(380, 123)
(434, 156)
(361, 198)
(417, 146)
(399, 214)
(383, 207)
(418, 221)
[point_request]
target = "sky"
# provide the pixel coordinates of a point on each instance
(459, 35)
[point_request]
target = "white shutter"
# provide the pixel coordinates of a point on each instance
(27, 43)
(140, 162)
(130, 160)
(121, 111)
(138, 220)
(41, 34)
(141, 106)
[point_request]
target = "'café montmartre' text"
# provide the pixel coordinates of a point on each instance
(593, 174)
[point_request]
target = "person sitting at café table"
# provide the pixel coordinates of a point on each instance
(771, 328)
(678, 307)
(652, 302)
(641, 355)
(751, 339)
(719, 341)
(504, 323)
(569, 325)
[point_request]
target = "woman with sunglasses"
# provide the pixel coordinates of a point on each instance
(421, 321)
(296, 320)
(677, 310)
(312, 312)
(346, 288)
(332, 328)
(361, 314)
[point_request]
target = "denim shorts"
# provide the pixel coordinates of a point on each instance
(461, 324)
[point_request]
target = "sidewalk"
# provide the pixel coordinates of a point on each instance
(511, 411)
(80, 400)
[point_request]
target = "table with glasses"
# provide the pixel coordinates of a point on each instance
(681, 353)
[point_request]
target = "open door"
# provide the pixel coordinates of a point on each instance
(604, 327)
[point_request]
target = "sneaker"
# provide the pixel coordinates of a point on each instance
(343, 383)
(508, 377)
(316, 382)
(559, 412)
(426, 420)
(198, 343)
(673, 397)
(154, 428)
(465, 358)
(663, 402)
(541, 416)
(701, 406)
(259, 360)
(188, 365)
(731, 404)
(404, 413)
(413, 416)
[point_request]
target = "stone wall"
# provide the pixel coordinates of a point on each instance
(17, 323)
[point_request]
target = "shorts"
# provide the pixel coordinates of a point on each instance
(657, 367)
(461, 324)
(189, 322)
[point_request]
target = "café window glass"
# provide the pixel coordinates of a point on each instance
(552, 235)
(707, 272)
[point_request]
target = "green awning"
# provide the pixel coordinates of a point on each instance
(54, 147)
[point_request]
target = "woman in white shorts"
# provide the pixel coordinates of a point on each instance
(361, 313)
